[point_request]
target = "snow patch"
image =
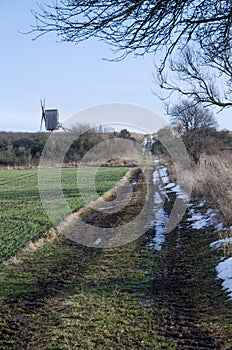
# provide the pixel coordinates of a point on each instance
(172, 187)
(106, 208)
(156, 177)
(164, 174)
(199, 220)
(220, 242)
(158, 199)
(224, 272)
(98, 241)
(159, 226)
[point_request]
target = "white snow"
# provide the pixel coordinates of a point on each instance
(106, 208)
(156, 180)
(219, 226)
(156, 177)
(160, 221)
(220, 242)
(202, 203)
(160, 178)
(98, 241)
(172, 187)
(158, 199)
(224, 272)
(200, 220)
(164, 174)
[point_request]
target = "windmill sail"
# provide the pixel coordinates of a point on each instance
(43, 117)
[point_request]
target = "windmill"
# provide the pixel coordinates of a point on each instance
(50, 117)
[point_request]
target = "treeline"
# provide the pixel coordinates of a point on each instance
(20, 148)
(25, 149)
(197, 142)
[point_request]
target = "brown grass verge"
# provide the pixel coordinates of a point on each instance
(213, 180)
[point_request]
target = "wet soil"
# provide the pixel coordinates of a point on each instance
(194, 308)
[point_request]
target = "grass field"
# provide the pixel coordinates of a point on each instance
(22, 215)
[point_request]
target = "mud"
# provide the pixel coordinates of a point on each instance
(185, 287)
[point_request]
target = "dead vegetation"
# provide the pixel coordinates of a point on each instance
(212, 179)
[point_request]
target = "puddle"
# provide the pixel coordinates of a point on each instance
(160, 216)
(172, 187)
(164, 174)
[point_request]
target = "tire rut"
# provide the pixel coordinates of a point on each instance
(186, 294)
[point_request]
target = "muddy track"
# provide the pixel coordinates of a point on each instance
(189, 306)
(186, 290)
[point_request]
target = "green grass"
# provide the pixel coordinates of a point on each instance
(22, 215)
(65, 296)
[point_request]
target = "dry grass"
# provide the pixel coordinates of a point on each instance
(213, 180)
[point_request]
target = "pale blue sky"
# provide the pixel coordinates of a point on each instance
(70, 77)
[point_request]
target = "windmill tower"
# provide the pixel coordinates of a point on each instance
(50, 117)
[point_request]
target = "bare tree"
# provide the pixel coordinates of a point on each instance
(138, 26)
(188, 116)
(143, 26)
(204, 77)
(194, 123)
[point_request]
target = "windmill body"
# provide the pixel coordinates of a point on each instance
(50, 117)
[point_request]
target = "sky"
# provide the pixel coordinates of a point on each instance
(72, 78)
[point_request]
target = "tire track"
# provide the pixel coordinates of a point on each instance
(187, 299)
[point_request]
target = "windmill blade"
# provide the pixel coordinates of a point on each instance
(41, 123)
(43, 117)
(42, 106)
